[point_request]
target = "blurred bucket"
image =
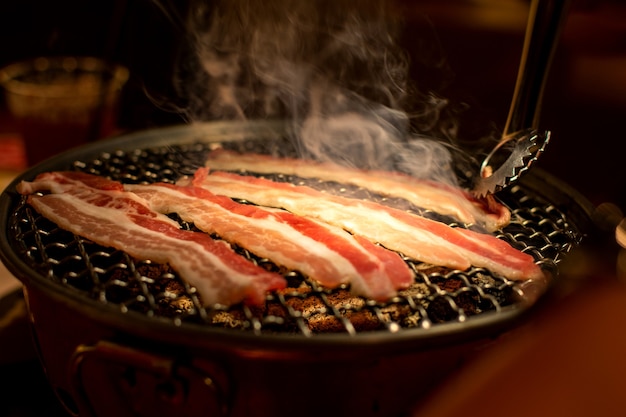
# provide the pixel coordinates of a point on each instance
(62, 102)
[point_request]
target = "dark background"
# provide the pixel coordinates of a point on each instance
(479, 42)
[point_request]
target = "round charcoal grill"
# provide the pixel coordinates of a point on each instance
(137, 298)
(438, 295)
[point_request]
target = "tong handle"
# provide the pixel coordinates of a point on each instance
(545, 22)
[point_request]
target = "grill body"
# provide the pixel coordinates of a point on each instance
(118, 358)
(99, 369)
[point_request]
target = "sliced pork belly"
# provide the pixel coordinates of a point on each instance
(100, 210)
(323, 252)
(417, 237)
(441, 198)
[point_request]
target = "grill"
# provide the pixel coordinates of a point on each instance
(122, 336)
(438, 297)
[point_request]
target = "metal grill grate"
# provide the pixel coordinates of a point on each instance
(437, 296)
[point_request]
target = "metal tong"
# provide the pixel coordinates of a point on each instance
(521, 143)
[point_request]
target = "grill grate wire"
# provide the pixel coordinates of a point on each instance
(437, 296)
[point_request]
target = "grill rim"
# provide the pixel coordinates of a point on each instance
(135, 323)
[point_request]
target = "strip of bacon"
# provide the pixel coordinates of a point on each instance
(325, 253)
(100, 210)
(441, 198)
(417, 237)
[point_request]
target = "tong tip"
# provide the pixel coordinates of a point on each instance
(524, 149)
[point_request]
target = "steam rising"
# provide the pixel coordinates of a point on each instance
(330, 67)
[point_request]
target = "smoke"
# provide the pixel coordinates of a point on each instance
(332, 68)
